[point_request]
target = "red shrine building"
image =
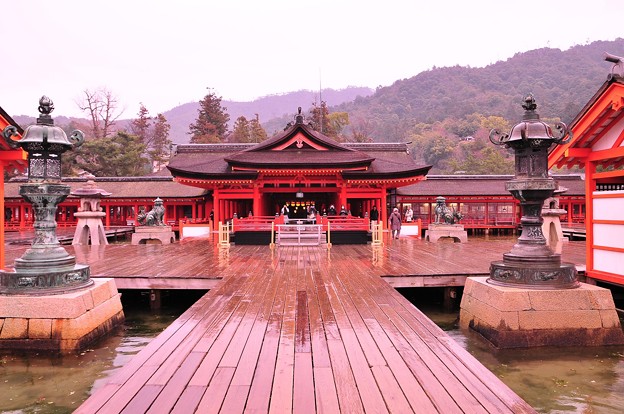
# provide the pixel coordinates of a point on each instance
(299, 167)
(9, 158)
(598, 147)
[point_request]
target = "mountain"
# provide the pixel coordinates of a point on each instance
(272, 107)
(561, 82)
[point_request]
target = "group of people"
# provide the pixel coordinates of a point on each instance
(394, 220)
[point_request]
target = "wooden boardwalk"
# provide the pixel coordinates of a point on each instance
(301, 330)
(408, 262)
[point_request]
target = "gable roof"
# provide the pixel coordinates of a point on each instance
(598, 130)
(298, 147)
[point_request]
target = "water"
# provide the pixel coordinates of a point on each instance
(588, 380)
(43, 384)
(553, 380)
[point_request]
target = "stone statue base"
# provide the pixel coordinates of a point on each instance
(153, 234)
(522, 318)
(62, 322)
(454, 231)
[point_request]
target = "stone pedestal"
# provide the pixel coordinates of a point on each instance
(90, 228)
(519, 318)
(61, 322)
(454, 231)
(153, 234)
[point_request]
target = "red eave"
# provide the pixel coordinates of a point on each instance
(591, 125)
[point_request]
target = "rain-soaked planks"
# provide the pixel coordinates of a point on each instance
(304, 329)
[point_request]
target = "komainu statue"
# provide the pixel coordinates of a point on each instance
(444, 214)
(154, 217)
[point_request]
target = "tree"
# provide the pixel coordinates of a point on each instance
(211, 123)
(141, 126)
(320, 120)
(101, 106)
(161, 143)
(241, 132)
(337, 122)
(117, 156)
(256, 131)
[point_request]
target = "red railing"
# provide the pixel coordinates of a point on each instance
(256, 223)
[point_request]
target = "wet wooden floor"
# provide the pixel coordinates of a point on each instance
(407, 262)
(302, 330)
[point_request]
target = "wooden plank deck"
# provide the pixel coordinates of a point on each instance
(408, 262)
(302, 329)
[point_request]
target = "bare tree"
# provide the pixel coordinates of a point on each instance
(101, 106)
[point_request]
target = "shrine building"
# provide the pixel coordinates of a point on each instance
(300, 168)
(9, 158)
(598, 147)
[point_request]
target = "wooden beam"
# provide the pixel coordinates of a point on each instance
(13, 155)
(608, 174)
(603, 155)
(577, 152)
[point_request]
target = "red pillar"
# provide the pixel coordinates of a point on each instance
(257, 207)
(383, 213)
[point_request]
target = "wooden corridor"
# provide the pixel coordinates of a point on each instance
(298, 329)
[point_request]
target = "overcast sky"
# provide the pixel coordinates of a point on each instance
(164, 53)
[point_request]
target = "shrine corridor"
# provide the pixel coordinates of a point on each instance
(301, 329)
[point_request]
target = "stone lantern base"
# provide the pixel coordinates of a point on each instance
(521, 318)
(61, 322)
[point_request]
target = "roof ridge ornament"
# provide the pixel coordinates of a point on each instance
(618, 62)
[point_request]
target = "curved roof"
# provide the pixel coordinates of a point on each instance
(297, 147)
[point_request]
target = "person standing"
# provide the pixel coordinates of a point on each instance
(395, 223)
(374, 216)
(409, 215)
(285, 212)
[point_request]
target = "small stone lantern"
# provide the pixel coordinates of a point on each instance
(90, 214)
(45, 268)
(531, 263)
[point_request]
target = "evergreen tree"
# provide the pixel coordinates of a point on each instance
(241, 131)
(161, 143)
(319, 117)
(117, 156)
(256, 132)
(211, 123)
(141, 126)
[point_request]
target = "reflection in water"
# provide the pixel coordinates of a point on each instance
(552, 380)
(43, 384)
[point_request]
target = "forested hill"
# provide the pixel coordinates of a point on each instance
(276, 107)
(561, 81)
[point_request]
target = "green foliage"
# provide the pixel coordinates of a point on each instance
(256, 132)
(120, 155)
(437, 149)
(488, 160)
(141, 125)
(562, 83)
(160, 145)
(248, 131)
(241, 132)
(211, 123)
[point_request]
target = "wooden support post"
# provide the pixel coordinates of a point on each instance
(328, 235)
(450, 299)
(155, 301)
